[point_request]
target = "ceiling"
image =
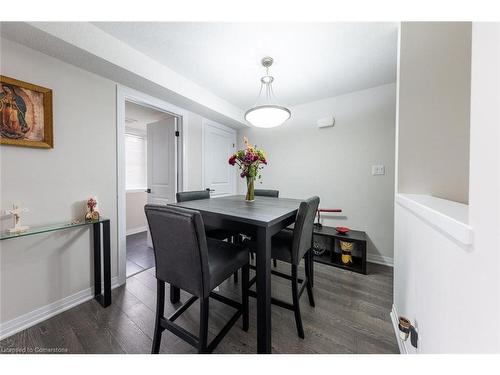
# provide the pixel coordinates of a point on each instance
(138, 116)
(312, 60)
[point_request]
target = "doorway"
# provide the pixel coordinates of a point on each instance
(150, 176)
(150, 170)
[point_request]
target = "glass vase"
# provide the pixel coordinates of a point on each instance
(250, 197)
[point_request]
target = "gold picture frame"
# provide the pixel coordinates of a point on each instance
(25, 114)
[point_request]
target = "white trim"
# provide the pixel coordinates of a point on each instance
(396, 136)
(380, 259)
(124, 94)
(214, 124)
(448, 216)
(137, 230)
(395, 320)
(40, 314)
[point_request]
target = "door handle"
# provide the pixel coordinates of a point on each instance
(210, 190)
(147, 191)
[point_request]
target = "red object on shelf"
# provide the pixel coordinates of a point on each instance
(342, 230)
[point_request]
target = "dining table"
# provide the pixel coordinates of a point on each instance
(261, 218)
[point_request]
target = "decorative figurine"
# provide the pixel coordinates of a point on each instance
(16, 212)
(92, 213)
(346, 248)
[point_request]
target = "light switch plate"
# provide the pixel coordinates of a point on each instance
(378, 170)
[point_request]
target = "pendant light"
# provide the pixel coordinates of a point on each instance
(267, 114)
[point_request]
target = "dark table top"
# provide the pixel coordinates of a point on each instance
(264, 211)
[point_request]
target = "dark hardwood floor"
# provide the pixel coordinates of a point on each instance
(351, 316)
(140, 257)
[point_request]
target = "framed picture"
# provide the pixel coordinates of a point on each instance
(25, 114)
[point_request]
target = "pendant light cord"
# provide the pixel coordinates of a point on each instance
(269, 92)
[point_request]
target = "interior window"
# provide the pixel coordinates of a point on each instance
(136, 162)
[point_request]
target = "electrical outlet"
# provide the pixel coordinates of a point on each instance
(378, 170)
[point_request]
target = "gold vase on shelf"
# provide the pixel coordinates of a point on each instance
(346, 248)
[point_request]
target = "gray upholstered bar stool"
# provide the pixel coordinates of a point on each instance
(217, 233)
(186, 258)
(267, 193)
(291, 246)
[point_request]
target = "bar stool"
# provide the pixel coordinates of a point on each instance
(217, 233)
(186, 258)
(291, 246)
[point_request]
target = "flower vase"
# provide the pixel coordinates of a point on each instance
(250, 197)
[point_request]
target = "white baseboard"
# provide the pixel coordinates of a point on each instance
(380, 259)
(45, 312)
(136, 230)
(395, 320)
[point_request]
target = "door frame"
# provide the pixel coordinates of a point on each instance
(204, 123)
(125, 94)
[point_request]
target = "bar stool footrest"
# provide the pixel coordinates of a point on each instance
(168, 323)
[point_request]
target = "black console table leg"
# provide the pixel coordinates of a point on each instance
(97, 261)
(175, 294)
(106, 263)
(104, 298)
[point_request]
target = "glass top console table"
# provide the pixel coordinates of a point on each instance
(102, 252)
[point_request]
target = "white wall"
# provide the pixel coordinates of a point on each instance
(451, 290)
(484, 188)
(335, 163)
(54, 184)
(55, 269)
(434, 283)
(136, 219)
(193, 152)
(434, 109)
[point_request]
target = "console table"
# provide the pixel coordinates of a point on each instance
(103, 296)
(333, 258)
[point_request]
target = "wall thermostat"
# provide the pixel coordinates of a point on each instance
(326, 122)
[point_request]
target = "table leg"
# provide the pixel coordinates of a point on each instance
(106, 252)
(175, 294)
(103, 297)
(263, 263)
(97, 261)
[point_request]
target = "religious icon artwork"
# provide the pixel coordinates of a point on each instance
(25, 114)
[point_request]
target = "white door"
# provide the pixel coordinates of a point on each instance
(219, 143)
(162, 174)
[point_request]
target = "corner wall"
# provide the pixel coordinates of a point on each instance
(434, 109)
(448, 285)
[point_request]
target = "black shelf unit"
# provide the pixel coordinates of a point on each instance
(332, 255)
